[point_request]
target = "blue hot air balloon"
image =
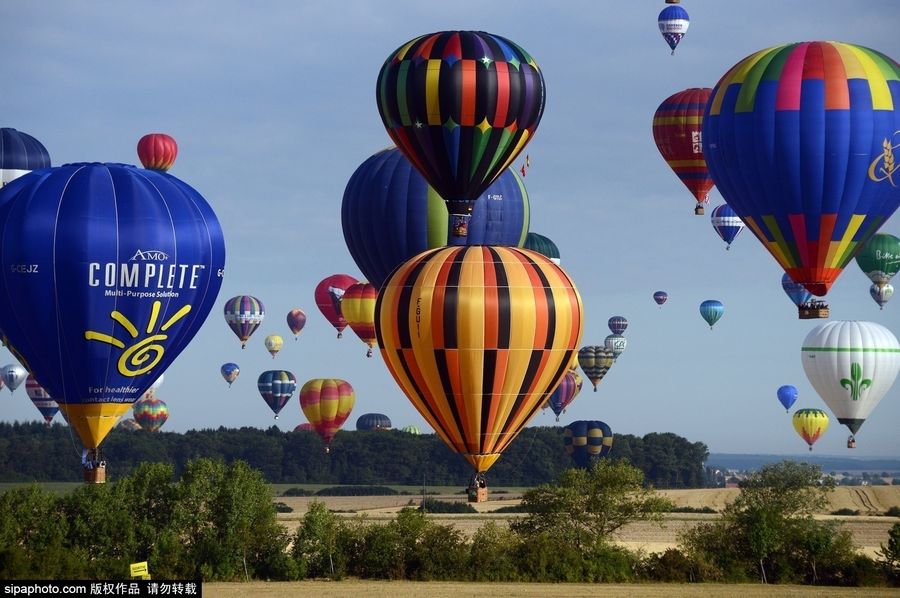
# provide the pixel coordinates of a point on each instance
(712, 310)
(20, 153)
(230, 372)
(109, 271)
(587, 441)
(276, 388)
(795, 292)
(617, 324)
(726, 223)
(389, 214)
(787, 395)
(673, 23)
(660, 297)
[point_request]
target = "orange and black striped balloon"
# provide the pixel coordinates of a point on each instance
(478, 337)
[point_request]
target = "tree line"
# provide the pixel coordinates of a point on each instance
(217, 522)
(34, 452)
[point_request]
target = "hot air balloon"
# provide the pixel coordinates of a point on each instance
(41, 399)
(230, 372)
(563, 396)
(617, 324)
(615, 344)
(677, 133)
(131, 261)
(810, 424)
(373, 421)
(726, 223)
(157, 151)
(20, 153)
(542, 245)
(851, 365)
(296, 320)
(787, 396)
(587, 441)
(460, 105)
(128, 423)
(879, 258)
(358, 309)
(660, 297)
(327, 403)
(13, 376)
(390, 214)
(414, 430)
(244, 314)
(276, 388)
(881, 294)
(151, 413)
(304, 427)
(712, 311)
(799, 139)
(274, 343)
(595, 362)
(478, 337)
(673, 23)
(329, 294)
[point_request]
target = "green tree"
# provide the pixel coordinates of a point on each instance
(585, 506)
(890, 554)
(316, 543)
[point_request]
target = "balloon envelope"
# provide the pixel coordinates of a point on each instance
(276, 388)
(617, 324)
(41, 399)
(296, 320)
(230, 372)
(274, 343)
(673, 23)
(677, 133)
(660, 297)
(358, 309)
(799, 139)
(133, 258)
(244, 314)
(587, 441)
(879, 258)
(542, 245)
(390, 214)
(852, 365)
(329, 293)
(810, 424)
(881, 294)
(615, 344)
(460, 105)
(13, 376)
(373, 421)
(564, 394)
(157, 151)
(20, 153)
(787, 396)
(795, 292)
(477, 338)
(151, 413)
(327, 403)
(726, 223)
(712, 311)
(595, 361)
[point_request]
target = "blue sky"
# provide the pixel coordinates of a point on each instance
(273, 107)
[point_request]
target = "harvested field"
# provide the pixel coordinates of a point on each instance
(869, 530)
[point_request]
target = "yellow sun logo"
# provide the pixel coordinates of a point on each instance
(143, 355)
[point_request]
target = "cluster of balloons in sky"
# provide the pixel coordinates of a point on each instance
(477, 329)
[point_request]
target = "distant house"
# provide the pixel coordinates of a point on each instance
(732, 482)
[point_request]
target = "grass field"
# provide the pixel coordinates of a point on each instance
(392, 589)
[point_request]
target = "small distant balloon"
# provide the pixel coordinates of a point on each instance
(673, 23)
(616, 344)
(276, 388)
(726, 223)
(230, 372)
(20, 153)
(274, 343)
(712, 311)
(587, 441)
(41, 399)
(660, 297)
(329, 294)
(617, 324)
(13, 376)
(157, 151)
(296, 320)
(881, 294)
(810, 424)
(787, 396)
(151, 413)
(244, 314)
(543, 245)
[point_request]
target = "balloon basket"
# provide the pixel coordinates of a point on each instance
(698, 209)
(477, 494)
(811, 313)
(95, 474)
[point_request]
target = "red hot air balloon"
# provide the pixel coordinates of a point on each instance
(460, 105)
(157, 151)
(677, 132)
(329, 294)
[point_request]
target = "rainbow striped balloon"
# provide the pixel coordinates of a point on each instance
(801, 141)
(478, 337)
(151, 413)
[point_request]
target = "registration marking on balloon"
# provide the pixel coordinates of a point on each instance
(134, 359)
(885, 165)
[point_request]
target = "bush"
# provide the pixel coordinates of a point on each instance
(357, 491)
(692, 510)
(511, 509)
(280, 507)
(493, 554)
(442, 553)
(845, 511)
(443, 506)
(296, 491)
(893, 511)
(671, 566)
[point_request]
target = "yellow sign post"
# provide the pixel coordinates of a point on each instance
(140, 570)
